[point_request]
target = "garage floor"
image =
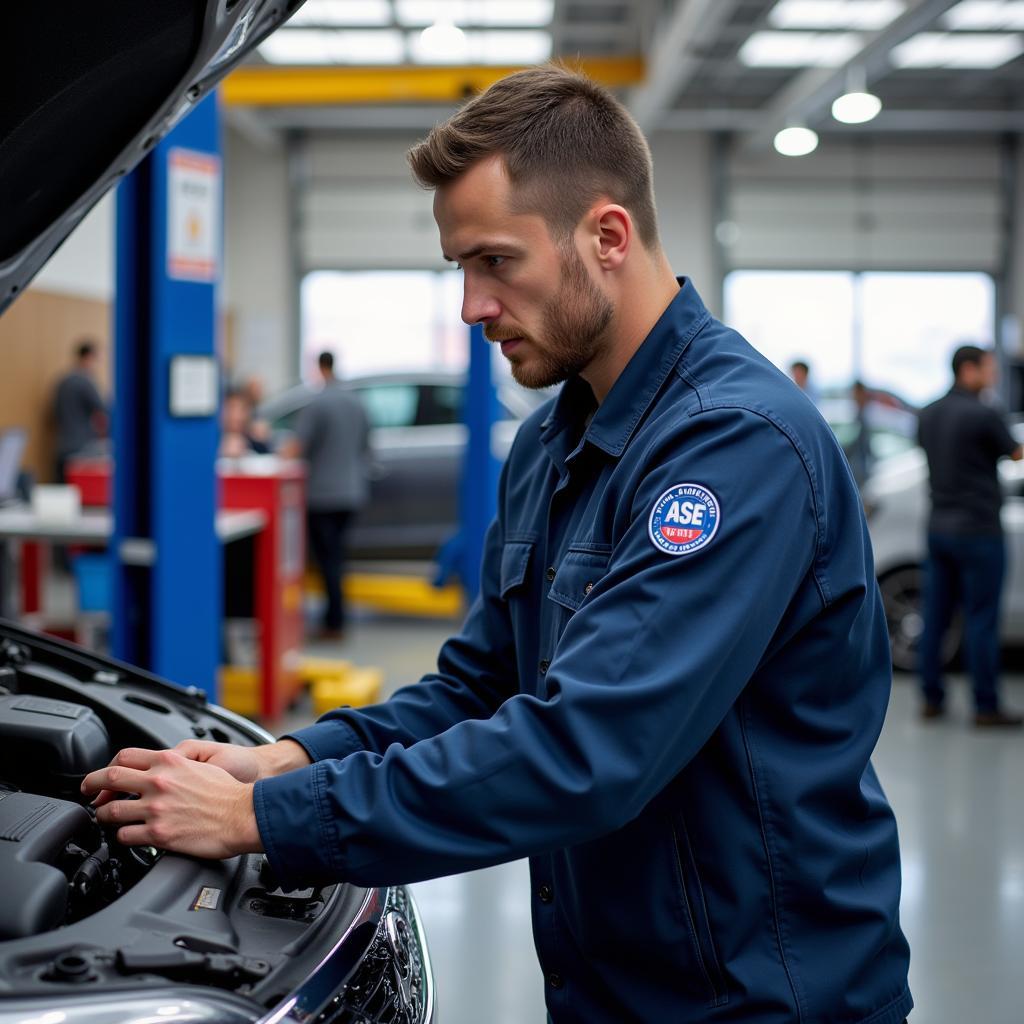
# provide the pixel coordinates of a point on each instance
(959, 799)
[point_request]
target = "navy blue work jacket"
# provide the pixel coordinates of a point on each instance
(666, 697)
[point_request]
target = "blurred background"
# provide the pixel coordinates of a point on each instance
(843, 182)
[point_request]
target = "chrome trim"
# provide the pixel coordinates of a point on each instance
(325, 980)
(240, 722)
(428, 972)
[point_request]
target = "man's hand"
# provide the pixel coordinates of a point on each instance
(184, 805)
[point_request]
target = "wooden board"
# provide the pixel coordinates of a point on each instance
(38, 335)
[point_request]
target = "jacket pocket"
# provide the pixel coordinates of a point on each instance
(578, 574)
(697, 914)
(515, 562)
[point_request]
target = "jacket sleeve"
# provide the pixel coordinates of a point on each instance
(476, 672)
(646, 668)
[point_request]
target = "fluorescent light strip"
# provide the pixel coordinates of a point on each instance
(799, 49)
(966, 50)
(300, 46)
(866, 15)
(487, 47)
(355, 13)
(986, 15)
(334, 46)
(482, 13)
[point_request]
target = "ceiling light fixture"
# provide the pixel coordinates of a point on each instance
(866, 15)
(799, 49)
(978, 50)
(350, 13)
(442, 43)
(856, 105)
(796, 140)
(986, 15)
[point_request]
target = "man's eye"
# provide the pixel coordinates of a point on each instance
(494, 261)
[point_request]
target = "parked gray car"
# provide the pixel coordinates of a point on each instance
(417, 441)
(897, 500)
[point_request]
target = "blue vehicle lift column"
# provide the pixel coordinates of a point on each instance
(478, 496)
(167, 604)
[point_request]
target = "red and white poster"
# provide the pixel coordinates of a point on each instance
(193, 215)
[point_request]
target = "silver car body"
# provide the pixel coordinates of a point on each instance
(897, 500)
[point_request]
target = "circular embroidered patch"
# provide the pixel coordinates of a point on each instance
(684, 519)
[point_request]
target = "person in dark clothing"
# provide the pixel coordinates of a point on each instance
(78, 410)
(332, 435)
(963, 439)
(667, 692)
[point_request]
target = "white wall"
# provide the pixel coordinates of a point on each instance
(84, 264)
(684, 192)
(363, 209)
(257, 288)
(869, 205)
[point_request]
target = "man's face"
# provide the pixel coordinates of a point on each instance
(533, 296)
(980, 376)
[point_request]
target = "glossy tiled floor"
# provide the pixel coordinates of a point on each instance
(959, 798)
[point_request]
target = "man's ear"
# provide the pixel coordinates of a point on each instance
(612, 232)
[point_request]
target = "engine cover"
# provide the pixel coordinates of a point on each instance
(49, 745)
(34, 831)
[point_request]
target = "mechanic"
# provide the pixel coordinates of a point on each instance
(964, 438)
(669, 689)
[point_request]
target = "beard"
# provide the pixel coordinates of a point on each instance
(572, 332)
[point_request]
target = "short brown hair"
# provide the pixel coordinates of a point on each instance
(565, 140)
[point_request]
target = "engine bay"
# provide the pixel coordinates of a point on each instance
(76, 906)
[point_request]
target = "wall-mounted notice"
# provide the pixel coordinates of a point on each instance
(193, 215)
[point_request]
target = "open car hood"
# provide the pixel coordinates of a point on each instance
(89, 89)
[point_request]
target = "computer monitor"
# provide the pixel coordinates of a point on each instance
(12, 447)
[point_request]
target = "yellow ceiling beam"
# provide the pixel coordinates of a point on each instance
(274, 86)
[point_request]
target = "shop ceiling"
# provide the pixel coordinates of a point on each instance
(746, 67)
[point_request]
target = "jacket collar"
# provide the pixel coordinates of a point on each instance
(632, 394)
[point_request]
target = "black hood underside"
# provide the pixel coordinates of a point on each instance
(88, 89)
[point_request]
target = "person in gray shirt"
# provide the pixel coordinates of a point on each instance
(332, 434)
(78, 410)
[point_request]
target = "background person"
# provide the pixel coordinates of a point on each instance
(333, 436)
(78, 410)
(859, 449)
(237, 436)
(668, 691)
(964, 438)
(800, 373)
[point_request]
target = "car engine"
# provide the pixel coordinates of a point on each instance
(56, 864)
(82, 916)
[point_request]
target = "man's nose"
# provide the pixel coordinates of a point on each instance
(478, 306)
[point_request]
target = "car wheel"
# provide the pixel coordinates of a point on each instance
(903, 600)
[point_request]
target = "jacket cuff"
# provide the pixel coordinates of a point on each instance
(322, 740)
(300, 839)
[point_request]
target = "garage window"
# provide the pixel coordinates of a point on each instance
(896, 331)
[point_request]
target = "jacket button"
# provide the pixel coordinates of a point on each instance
(555, 980)
(588, 588)
(550, 574)
(544, 665)
(545, 894)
